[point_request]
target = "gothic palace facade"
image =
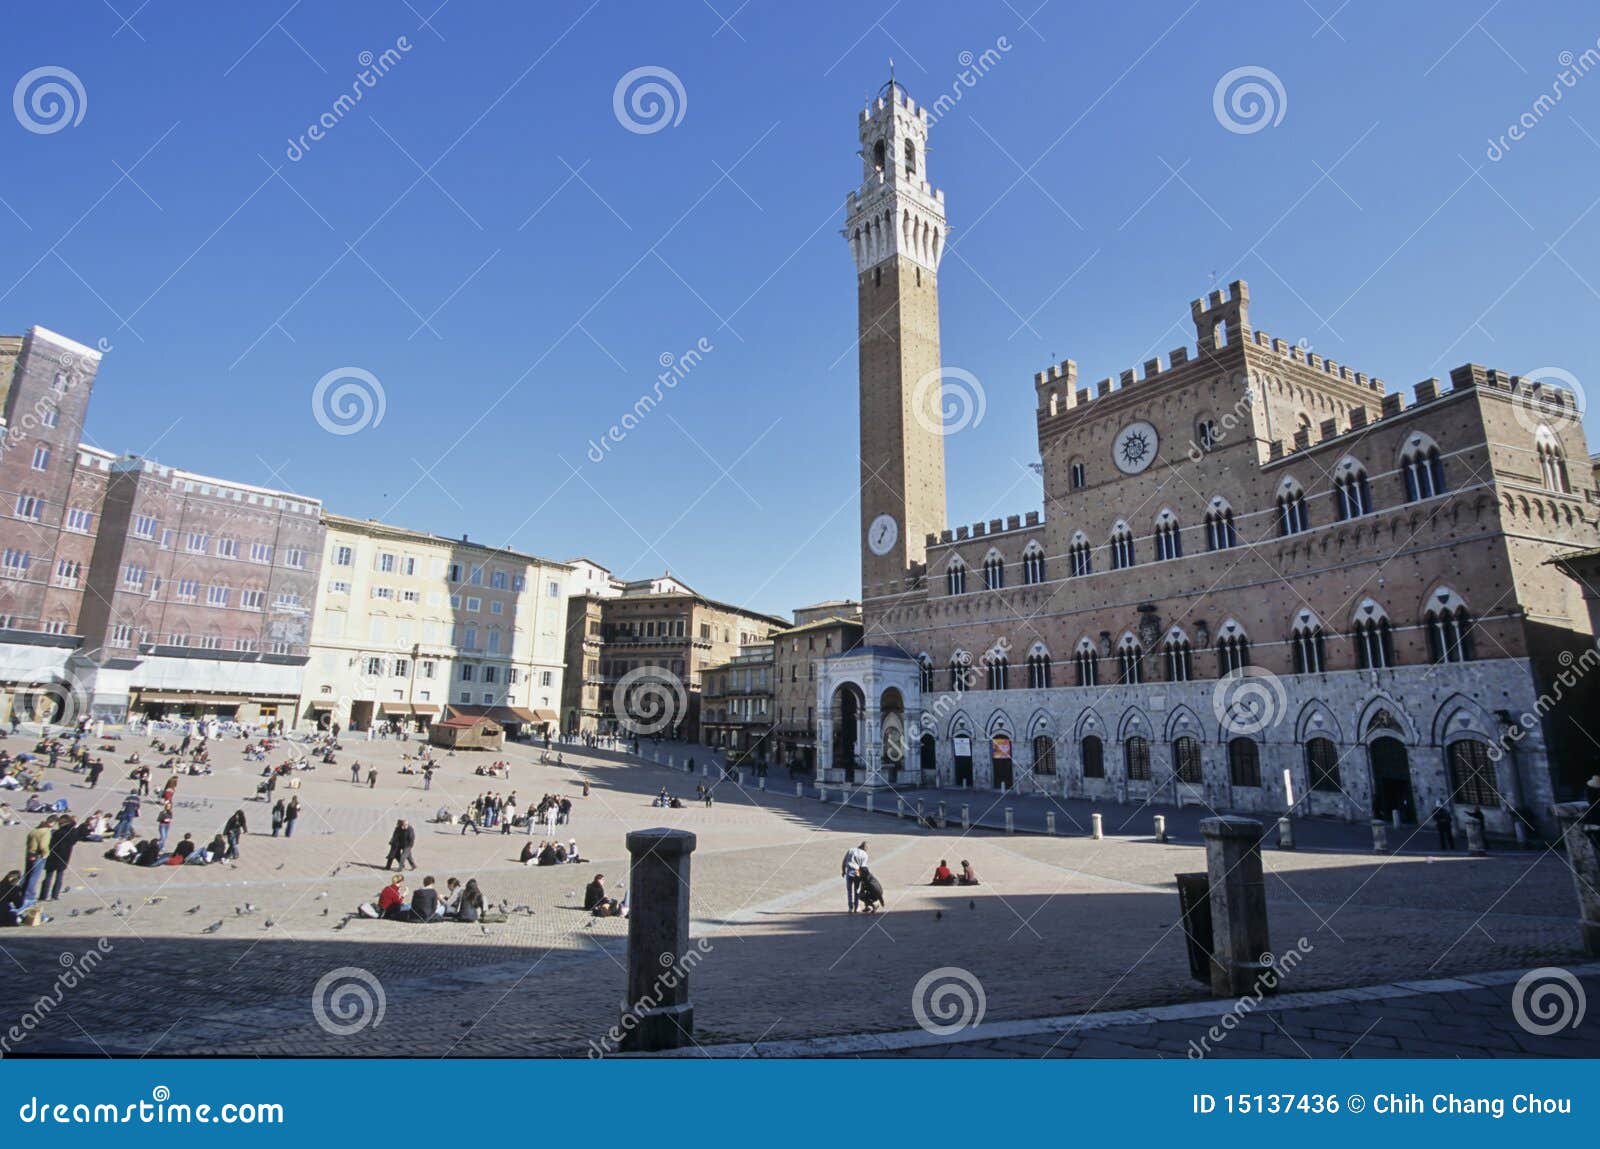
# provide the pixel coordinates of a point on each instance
(1260, 578)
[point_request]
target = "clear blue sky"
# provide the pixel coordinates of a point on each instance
(1369, 221)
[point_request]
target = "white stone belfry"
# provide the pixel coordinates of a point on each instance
(895, 211)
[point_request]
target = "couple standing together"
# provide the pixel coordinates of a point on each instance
(862, 890)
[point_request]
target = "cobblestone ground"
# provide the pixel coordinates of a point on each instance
(1060, 925)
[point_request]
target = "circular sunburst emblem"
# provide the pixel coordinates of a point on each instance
(1134, 448)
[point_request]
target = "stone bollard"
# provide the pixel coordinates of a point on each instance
(944, 822)
(921, 818)
(899, 807)
(1161, 828)
(761, 782)
(657, 1012)
(869, 802)
(1050, 822)
(705, 769)
(799, 789)
(1096, 828)
(1380, 835)
(671, 761)
(1285, 833)
(1395, 817)
(1583, 858)
(1011, 827)
(1241, 951)
(1475, 843)
(822, 793)
(966, 816)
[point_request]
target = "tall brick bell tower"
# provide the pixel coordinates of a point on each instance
(896, 230)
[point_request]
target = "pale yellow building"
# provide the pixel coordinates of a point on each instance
(407, 624)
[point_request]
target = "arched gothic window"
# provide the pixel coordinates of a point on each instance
(1121, 547)
(1136, 758)
(1220, 532)
(1169, 539)
(1082, 555)
(1033, 564)
(1233, 649)
(1130, 662)
(1373, 638)
(1352, 494)
(1088, 662)
(1178, 657)
(994, 572)
(1552, 462)
(1186, 760)
(1293, 517)
(1244, 762)
(1422, 469)
(1449, 627)
(1310, 655)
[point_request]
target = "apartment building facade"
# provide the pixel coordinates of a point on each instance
(408, 624)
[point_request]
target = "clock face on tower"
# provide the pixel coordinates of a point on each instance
(882, 535)
(1134, 448)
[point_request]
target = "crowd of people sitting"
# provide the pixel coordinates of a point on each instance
(943, 876)
(460, 903)
(551, 853)
(223, 847)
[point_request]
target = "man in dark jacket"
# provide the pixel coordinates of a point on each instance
(425, 902)
(63, 838)
(400, 843)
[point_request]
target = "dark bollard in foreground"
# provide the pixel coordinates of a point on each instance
(1238, 906)
(657, 1012)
